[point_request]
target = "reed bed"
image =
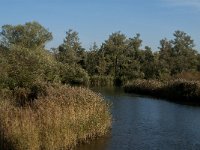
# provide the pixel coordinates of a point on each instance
(179, 90)
(141, 86)
(60, 119)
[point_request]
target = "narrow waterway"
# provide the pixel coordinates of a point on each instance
(143, 123)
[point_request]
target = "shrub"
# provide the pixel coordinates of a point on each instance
(25, 66)
(66, 116)
(101, 81)
(74, 75)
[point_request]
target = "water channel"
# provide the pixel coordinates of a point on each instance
(144, 123)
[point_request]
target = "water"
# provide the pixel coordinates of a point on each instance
(143, 123)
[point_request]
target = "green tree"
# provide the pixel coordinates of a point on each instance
(113, 48)
(122, 57)
(178, 55)
(71, 51)
(165, 59)
(102, 64)
(149, 64)
(73, 59)
(134, 45)
(183, 53)
(92, 60)
(30, 35)
(27, 62)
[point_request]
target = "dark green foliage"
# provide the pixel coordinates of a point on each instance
(178, 55)
(71, 51)
(150, 64)
(93, 61)
(123, 58)
(25, 67)
(24, 61)
(101, 81)
(72, 58)
(119, 58)
(74, 75)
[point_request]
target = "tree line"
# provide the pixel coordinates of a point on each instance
(24, 60)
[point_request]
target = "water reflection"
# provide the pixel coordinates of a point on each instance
(145, 123)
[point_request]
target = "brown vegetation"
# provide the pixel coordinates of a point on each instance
(65, 116)
(179, 90)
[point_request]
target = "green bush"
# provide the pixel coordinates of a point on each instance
(101, 81)
(25, 67)
(74, 75)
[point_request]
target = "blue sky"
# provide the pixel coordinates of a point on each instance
(95, 20)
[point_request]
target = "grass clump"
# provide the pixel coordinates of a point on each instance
(179, 90)
(141, 86)
(60, 119)
(182, 89)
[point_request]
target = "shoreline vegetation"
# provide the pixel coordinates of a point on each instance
(40, 110)
(60, 118)
(179, 90)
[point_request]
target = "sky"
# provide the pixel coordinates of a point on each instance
(95, 20)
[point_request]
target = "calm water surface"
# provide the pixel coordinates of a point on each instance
(143, 123)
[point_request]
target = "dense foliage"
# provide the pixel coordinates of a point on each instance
(123, 59)
(36, 110)
(24, 61)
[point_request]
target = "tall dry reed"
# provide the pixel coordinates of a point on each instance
(60, 120)
(179, 90)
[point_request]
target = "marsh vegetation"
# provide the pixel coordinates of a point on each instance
(40, 108)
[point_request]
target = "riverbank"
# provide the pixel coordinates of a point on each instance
(60, 119)
(175, 90)
(142, 122)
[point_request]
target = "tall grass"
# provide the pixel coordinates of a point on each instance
(141, 86)
(182, 89)
(189, 76)
(179, 90)
(60, 119)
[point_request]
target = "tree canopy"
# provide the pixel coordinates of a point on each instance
(29, 35)
(25, 61)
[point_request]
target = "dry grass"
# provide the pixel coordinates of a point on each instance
(179, 90)
(143, 86)
(182, 89)
(189, 76)
(60, 120)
